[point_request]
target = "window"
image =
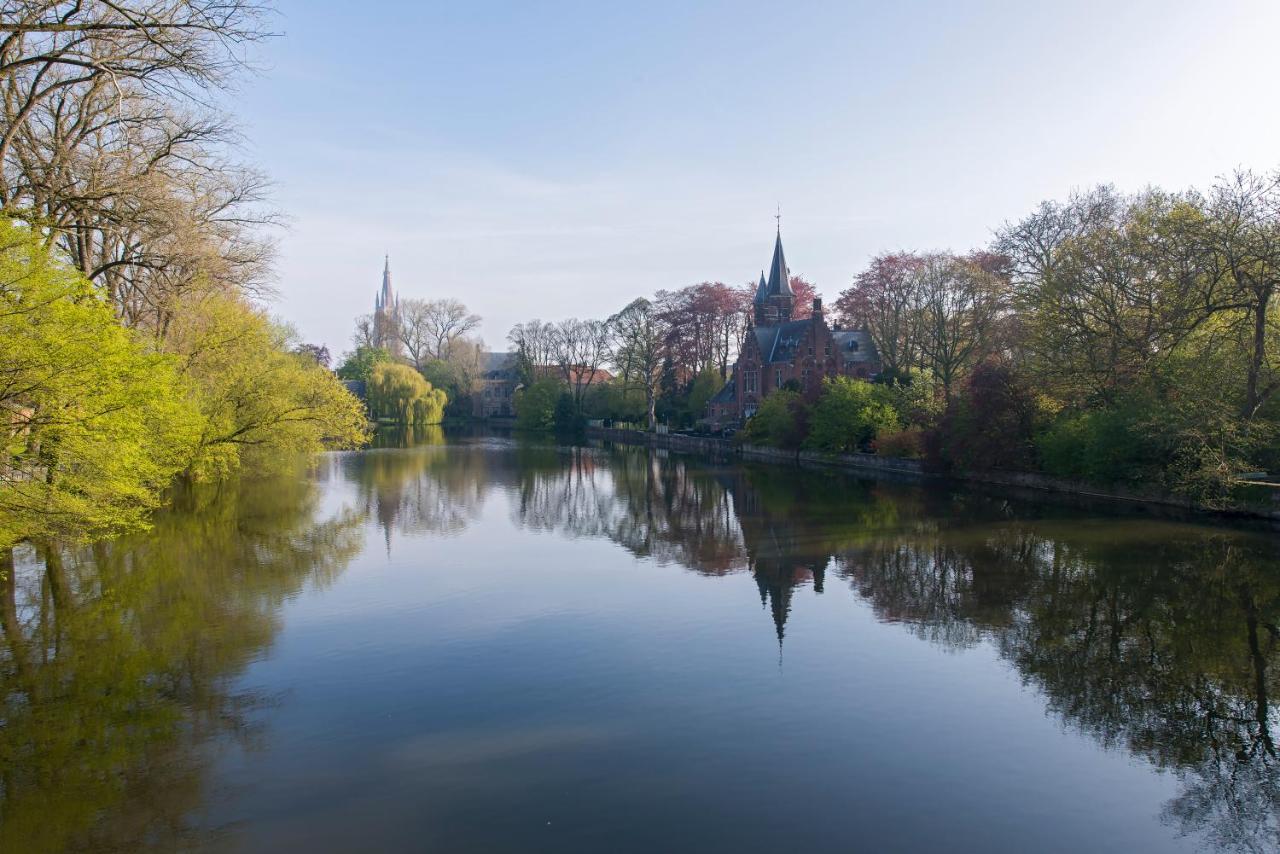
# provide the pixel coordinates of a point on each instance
(826, 349)
(777, 377)
(853, 345)
(749, 381)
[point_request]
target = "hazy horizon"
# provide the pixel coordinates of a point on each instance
(560, 161)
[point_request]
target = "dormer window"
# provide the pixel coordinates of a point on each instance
(853, 345)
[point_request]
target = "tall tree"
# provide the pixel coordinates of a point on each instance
(637, 350)
(1242, 231)
(1107, 286)
(960, 300)
(581, 348)
(885, 301)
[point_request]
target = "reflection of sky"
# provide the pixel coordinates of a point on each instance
(505, 688)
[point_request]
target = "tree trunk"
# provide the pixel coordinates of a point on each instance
(1252, 395)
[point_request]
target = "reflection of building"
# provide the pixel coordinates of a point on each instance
(386, 314)
(499, 380)
(779, 351)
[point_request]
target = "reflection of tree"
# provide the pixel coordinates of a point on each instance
(422, 486)
(780, 524)
(1163, 644)
(1166, 645)
(118, 662)
(1156, 638)
(665, 509)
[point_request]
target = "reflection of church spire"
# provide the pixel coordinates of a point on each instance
(777, 598)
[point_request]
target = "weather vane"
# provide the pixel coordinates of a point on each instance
(778, 217)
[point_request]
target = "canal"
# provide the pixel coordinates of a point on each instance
(475, 643)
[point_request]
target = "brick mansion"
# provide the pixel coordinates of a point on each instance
(778, 350)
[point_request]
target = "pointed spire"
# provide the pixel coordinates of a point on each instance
(779, 277)
(387, 298)
(762, 290)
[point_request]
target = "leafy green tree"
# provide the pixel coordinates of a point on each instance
(536, 405)
(261, 403)
(358, 364)
(849, 415)
(93, 425)
(701, 390)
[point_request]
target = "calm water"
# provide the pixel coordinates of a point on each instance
(489, 646)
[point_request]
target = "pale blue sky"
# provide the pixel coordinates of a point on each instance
(556, 159)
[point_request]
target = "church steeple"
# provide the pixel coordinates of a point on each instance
(779, 276)
(386, 299)
(774, 297)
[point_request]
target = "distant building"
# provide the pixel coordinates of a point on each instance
(778, 350)
(499, 379)
(386, 314)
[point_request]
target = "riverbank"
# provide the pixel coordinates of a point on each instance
(1017, 482)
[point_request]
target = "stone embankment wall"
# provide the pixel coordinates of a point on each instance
(722, 448)
(718, 448)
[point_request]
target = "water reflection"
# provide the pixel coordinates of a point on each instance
(410, 484)
(1155, 637)
(119, 662)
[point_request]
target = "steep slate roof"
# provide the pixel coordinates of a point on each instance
(495, 363)
(865, 351)
(779, 343)
(725, 395)
(762, 290)
(779, 278)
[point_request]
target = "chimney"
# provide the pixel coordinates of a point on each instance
(817, 305)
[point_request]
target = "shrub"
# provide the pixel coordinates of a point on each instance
(780, 421)
(849, 415)
(907, 443)
(1142, 440)
(536, 405)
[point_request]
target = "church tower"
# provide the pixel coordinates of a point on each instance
(386, 313)
(774, 298)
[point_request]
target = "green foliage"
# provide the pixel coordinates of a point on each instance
(615, 401)
(358, 365)
(1142, 441)
(701, 390)
(565, 415)
(849, 415)
(915, 398)
(261, 403)
(400, 393)
(94, 425)
(536, 405)
(780, 421)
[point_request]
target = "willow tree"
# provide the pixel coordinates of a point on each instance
(400, 393)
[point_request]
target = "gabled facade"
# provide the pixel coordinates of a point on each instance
(778, 350)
